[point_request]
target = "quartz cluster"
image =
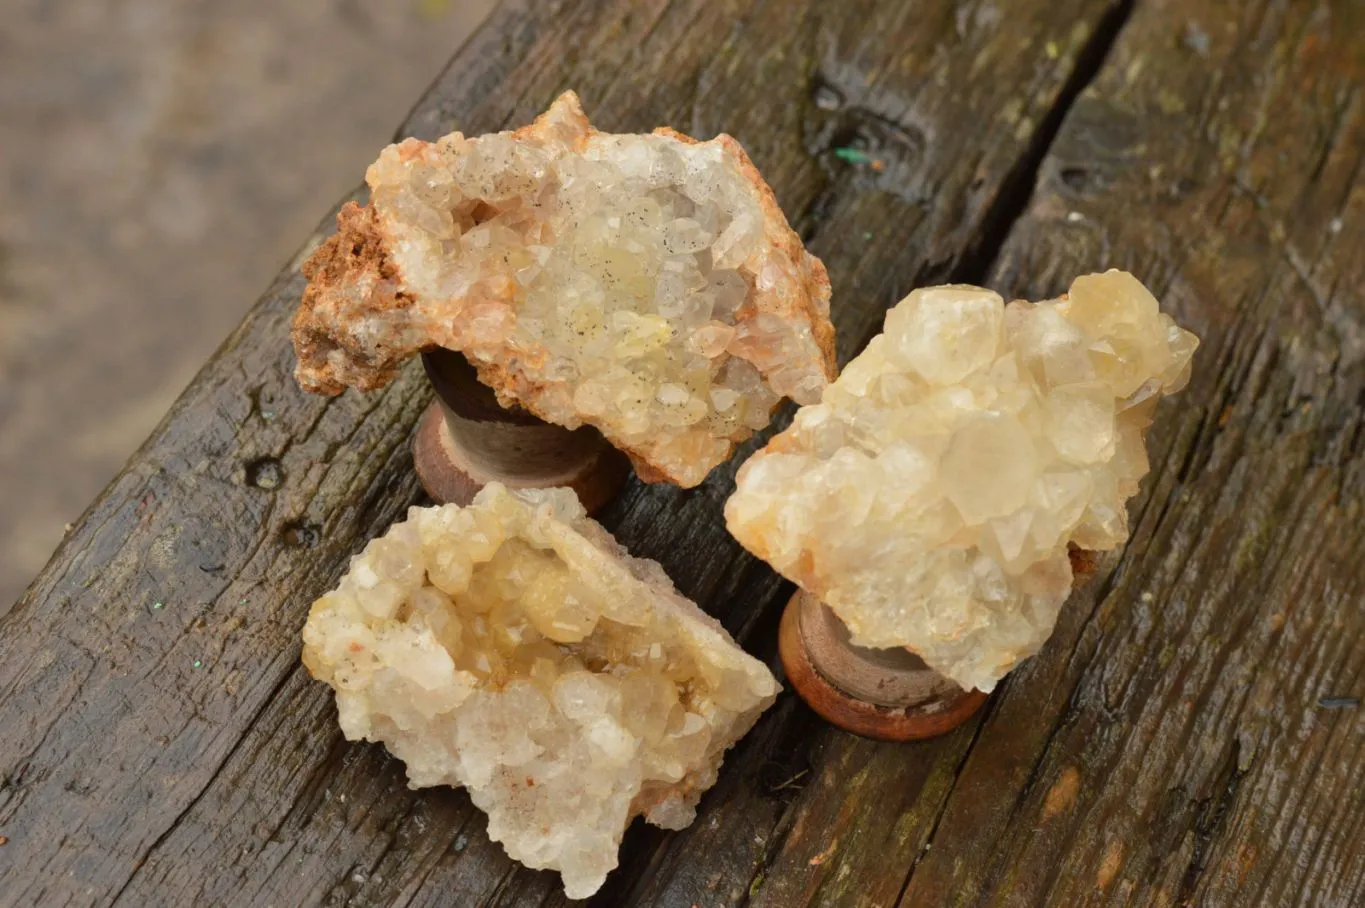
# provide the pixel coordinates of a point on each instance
(930, 497)
(648, 285)
(514, 648)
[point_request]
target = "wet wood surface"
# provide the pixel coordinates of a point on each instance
(1187, 736)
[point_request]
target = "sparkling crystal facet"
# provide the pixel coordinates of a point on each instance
(514, 648)
(618, 280)
(930, 497)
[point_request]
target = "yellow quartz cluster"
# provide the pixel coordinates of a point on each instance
(931, 495)
(648, 285)
(514, 648)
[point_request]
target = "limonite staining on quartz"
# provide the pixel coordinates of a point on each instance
(648, 285)
(930, 497)
(514, 648)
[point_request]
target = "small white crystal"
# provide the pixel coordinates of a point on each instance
(557, 256)
(514, 648)
(950, 333)
(931, 496)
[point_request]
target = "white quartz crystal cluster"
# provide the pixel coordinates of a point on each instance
(514, 648)
(930, 497)
(648, 285)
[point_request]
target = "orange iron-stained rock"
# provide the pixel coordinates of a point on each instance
(647, 285)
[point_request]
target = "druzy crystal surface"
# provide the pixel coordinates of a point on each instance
(648, 285)
(931, 496)
(514, 648)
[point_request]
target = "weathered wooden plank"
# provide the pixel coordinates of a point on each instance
(1222, 154)
(885, 55)
(1168, 746)
(161, 743)
(132, 772)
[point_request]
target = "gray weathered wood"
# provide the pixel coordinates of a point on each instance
(1168, 746)
(1171, 748)
(162, 745)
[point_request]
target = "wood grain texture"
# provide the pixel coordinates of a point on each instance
(162, 745)
(1171, 749)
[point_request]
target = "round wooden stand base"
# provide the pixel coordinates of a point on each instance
(887, 694)
(465, 440)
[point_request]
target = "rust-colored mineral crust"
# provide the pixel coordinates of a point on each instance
(648, 285)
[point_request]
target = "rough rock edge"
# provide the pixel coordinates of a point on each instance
(353, 256)
(353, 277)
